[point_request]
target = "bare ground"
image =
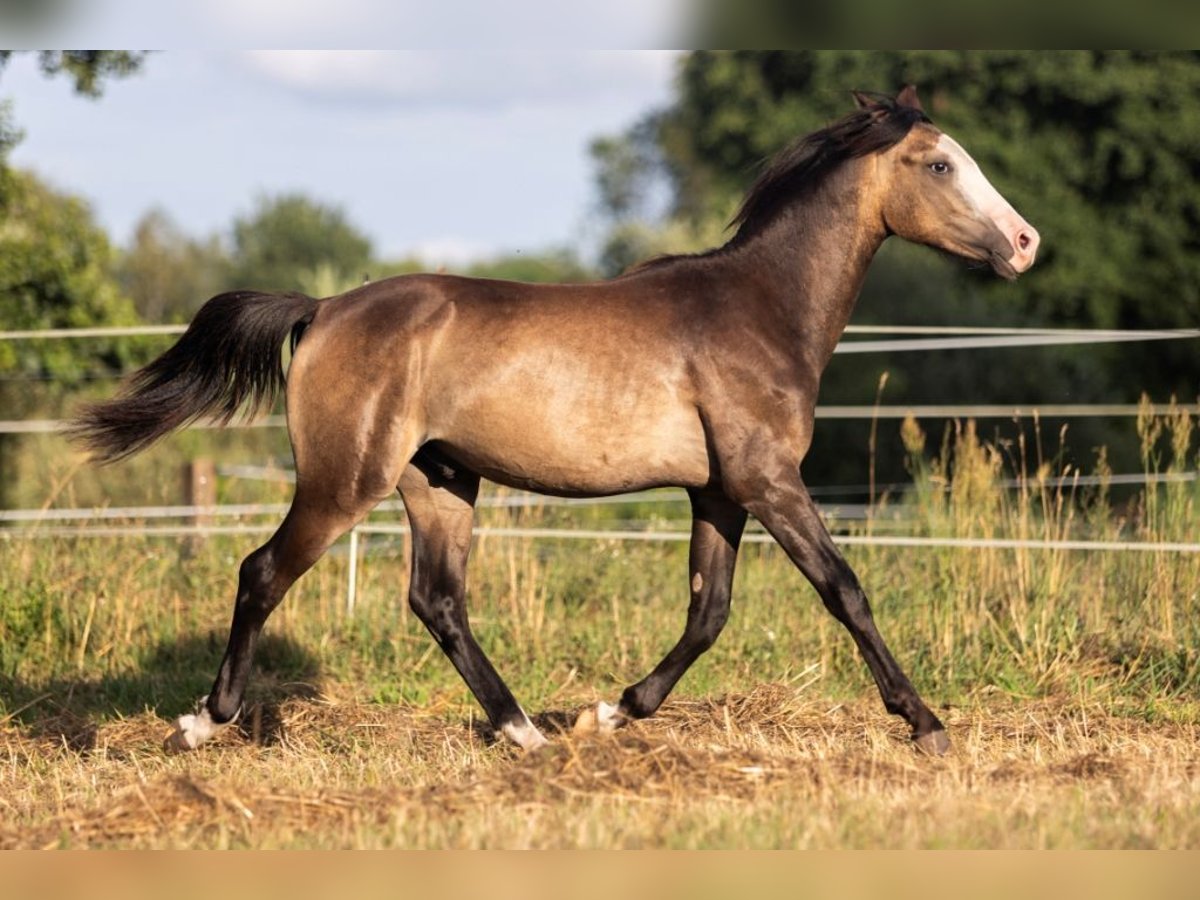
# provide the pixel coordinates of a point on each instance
(772, 768)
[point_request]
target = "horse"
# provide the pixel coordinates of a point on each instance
(698, 371)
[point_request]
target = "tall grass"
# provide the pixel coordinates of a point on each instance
(111, 626)
(1069, 680)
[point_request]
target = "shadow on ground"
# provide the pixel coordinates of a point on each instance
(170, 678)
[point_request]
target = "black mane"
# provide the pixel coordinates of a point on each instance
(881, 124)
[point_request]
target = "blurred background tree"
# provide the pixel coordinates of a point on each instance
(56, 270)
(87, 69)
(289, 240)
(167, 273)
(56, 263)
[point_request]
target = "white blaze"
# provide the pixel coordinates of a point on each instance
(979, 192)
(974, 183)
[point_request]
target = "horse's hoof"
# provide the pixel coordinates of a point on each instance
(524, 734)
(935, 743)
(603, 718)
(194, 729)
(184, 738)
(587, 722)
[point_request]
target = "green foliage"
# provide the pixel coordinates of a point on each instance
(55, 272)
(86, 68)
(56, 265)
(626, 166)
(169, 274)
(548, 266)
(10, 135)
(33, 628)
(289, 239)
(553, 265)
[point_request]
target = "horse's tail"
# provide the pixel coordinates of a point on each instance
(228, 360)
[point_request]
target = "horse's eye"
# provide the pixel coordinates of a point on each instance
(939, 168)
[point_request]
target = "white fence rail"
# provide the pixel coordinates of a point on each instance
(1067, 335)
(856, 412)
(585, 534)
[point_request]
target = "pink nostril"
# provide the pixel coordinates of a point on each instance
(1023, 241)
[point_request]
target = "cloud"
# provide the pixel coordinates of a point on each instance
(449, 24)
(464, 78)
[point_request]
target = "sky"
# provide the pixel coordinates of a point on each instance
(311, 24)
(447, 154)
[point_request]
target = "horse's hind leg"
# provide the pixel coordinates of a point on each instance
(312, 524)
(717, 525)
(441, 507)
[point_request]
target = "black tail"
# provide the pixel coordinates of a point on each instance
(228, 360)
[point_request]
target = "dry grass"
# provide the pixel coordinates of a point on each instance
(772, 768)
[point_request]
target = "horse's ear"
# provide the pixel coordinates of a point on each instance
(866, 101)
(908, 97)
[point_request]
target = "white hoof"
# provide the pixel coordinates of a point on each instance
(193, 730)
(603, 718)
(524, 734)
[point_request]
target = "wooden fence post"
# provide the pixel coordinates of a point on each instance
(199, 490)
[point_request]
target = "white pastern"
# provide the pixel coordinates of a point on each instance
(524, 734)
(193, 730)
(609, 717)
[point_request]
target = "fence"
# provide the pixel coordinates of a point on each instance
(199, 518)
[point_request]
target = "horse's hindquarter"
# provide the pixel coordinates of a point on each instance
(571, 389)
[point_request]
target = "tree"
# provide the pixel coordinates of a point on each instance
(55, 262)
(290, 241)
(545, 266)
(86, 68)
(55, 268)
(168, 274)
(55, 272)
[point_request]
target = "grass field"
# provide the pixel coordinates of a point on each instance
(1070, 683)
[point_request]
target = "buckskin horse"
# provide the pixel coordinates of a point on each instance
(699, 371)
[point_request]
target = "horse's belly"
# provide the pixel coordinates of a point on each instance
(583, 451)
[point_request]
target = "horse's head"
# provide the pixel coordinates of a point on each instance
(934, 193)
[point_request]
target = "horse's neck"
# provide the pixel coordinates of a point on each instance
(813, 258)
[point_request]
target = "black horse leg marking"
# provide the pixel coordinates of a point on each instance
(441, 510)
(263, 580)
(717, 525)
(792, 519)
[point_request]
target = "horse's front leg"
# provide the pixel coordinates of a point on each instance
(783, 505)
